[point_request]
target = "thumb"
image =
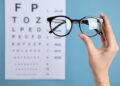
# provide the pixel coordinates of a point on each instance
(88, 42)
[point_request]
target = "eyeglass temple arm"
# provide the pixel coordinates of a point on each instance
(59, 21)
(86, 22)
(57, 26)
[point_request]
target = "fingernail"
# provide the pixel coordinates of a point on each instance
(81, 36)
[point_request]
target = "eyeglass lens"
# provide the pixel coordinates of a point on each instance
(61, 25)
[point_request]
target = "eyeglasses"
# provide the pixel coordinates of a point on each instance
(62, 25)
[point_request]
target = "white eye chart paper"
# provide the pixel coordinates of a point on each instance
(31, 52)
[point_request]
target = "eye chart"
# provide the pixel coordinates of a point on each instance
(30, 51)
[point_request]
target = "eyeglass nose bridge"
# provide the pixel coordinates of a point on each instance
(75, 21)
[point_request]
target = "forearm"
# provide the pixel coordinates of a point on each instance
(101, 79)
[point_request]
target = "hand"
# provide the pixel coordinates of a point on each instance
(101, 58)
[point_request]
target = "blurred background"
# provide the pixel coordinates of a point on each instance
(78, 72)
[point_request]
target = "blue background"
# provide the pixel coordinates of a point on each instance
(78, 72)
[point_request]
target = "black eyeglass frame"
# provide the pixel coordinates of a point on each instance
(50, 19)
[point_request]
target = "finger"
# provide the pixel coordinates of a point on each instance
(102, 36)
(88, 42)
(108, 30)
(102, 28)
(103, 31)
(103, 39)
(104, 42)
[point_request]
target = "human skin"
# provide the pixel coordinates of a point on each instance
(101, 58)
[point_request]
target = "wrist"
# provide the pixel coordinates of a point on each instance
(101, 78)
